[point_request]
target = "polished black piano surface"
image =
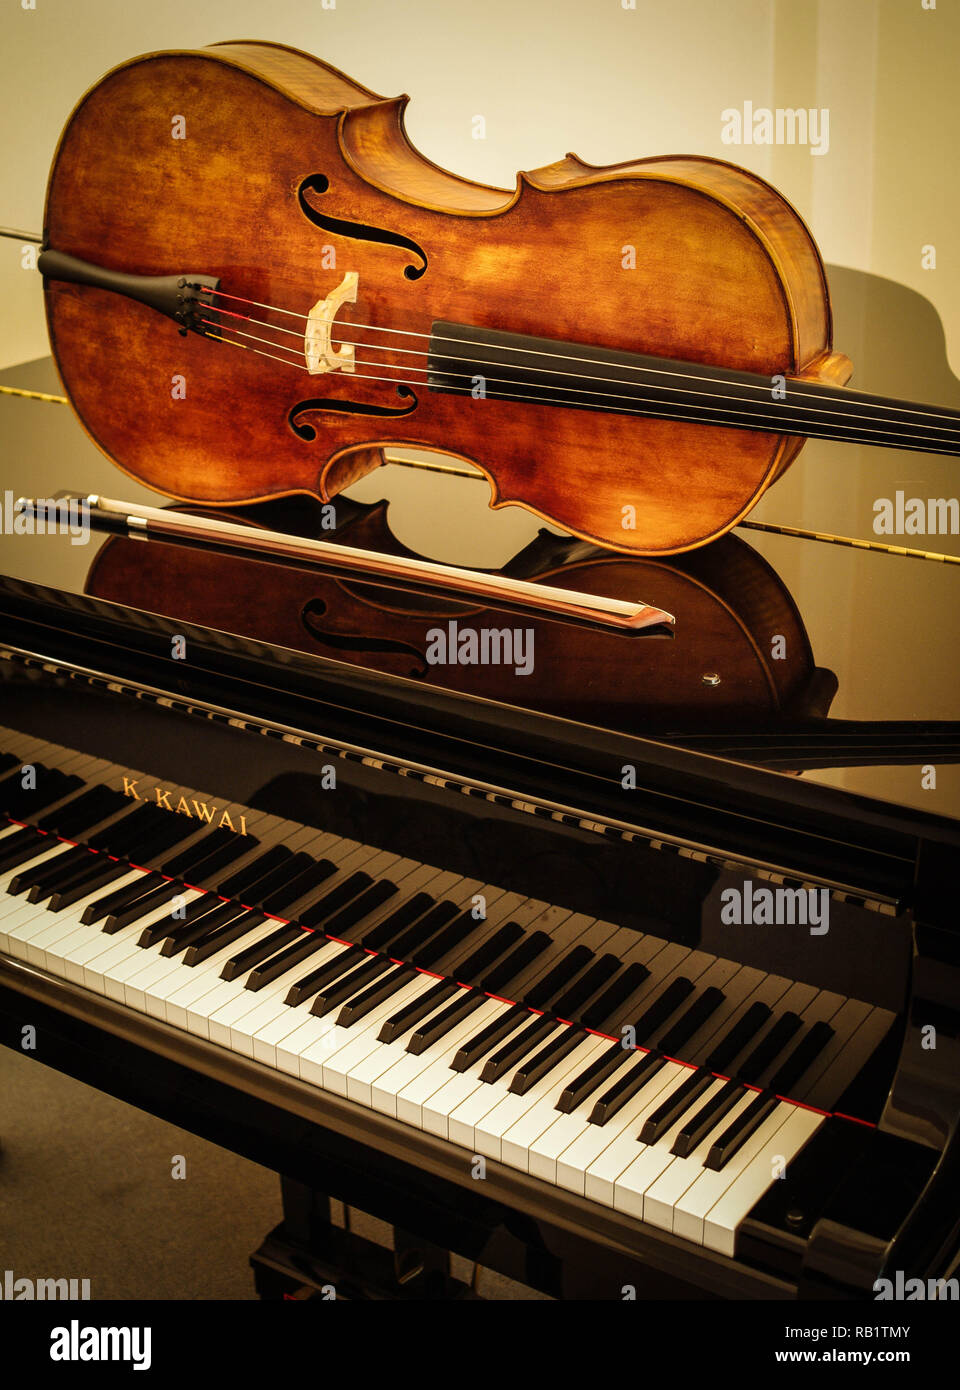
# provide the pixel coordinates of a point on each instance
(426, 916)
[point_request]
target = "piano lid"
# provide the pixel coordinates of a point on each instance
(831, 663)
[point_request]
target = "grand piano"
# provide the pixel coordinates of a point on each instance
(642, 976)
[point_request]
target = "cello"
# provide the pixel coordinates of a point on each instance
(254, 283)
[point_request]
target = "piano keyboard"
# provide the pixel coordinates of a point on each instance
(664, 1082)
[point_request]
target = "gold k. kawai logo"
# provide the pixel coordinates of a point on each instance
(193, 809)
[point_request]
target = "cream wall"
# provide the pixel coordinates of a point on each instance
(553, 75)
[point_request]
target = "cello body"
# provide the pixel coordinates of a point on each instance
(280, 176)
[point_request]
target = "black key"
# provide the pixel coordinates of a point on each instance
(770, 1047)
(82, 866)
(326, 974)
(379, 937)
(272, 882)
(307, 881)
(106, 873)
(13, 847)
(510, 967)
(362, 905)
(550, 985)
(82, 817)
(148, 844)
(487, 952)
(605, 1008)
(80, 812)
(437, 1027)
(237, 884)
(699, 1125)
(61, 873)
(215, 941)
(7, 761)
(28, 848)
(690, 1021)
(192, 912)
(543, 1062)
(19, 801)
(577, 1090)
(198, 851)
(217, 915)
(204, 874)
(350, 957)
(374, 995)
(335, 898)
(743, 1031)
(488, 1037)
(516, 1048)
(61, 867)
(586, 987)
(803, 1055)
(120, 898)
(416, 1009)
(165, 893)
(662, 1007)
(112, 838)
(432, 952)
(350, 984)
(259, 951)
(666, 1114)
(422, 930)
(625, 1088)
(737, 1134)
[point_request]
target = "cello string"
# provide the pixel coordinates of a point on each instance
(419, 352)
(513, 395)
(795, 384)
(777, 422)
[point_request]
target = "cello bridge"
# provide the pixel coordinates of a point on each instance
(320, 354)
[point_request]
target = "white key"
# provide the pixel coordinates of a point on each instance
(63, 927)
(661, 1197)
(565, 1129)
(725, 1217)
(602, 1174)
(201, 979)
(328, 1061)
(401, 1090)
(362, 1047)
(264, 1005)
(706, 1190)
(269, 1007)
(445, 1102)
(517, 1141)
(108, 972)
(50, 852)
(465, 1122)
(632, 1184)
(573, 1163)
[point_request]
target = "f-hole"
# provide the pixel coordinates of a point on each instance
(360, 642)
(359, 231)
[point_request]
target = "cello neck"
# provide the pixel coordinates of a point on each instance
(480, 363)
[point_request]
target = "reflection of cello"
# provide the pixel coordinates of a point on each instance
(740, 677)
